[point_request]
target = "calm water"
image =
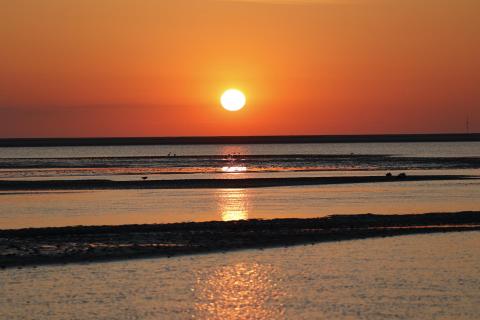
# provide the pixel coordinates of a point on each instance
(98, 207)
(207, 161)
(423, 149)
(35, 209)
(409, 277)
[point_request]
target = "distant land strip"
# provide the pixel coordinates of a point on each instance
(19, 185)
(58, 142)
(80, 244)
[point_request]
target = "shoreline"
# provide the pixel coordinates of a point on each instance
(81, 244)
(24, 185)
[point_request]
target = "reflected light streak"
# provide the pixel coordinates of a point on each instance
(239, 291)
(234, 169)
(233, 204)
(233, 154)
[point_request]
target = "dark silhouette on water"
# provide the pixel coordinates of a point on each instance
(46, 142)
(214, 183)
(101, 243)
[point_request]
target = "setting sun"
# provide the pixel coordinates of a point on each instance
(233, 100)
(136, 133)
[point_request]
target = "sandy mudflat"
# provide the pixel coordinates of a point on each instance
(15, 185)
(29, 247)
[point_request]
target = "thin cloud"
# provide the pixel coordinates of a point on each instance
(298, 2)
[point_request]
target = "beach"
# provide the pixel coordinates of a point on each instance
(422, 276)
(38, 246)
(92, 184)
(186, 229)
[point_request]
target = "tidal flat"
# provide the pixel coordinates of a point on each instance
(429, 276)
(80, 244)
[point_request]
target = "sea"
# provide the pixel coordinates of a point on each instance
(429, 276)
(25, 209)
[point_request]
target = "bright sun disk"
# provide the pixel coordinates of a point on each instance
(233, 100)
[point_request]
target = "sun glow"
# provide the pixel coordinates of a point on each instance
(233, 100)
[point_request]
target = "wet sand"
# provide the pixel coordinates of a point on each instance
(16, 185)
(80, 244)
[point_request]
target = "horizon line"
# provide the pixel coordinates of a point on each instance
(256, 139)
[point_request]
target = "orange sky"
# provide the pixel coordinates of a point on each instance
(157, 67)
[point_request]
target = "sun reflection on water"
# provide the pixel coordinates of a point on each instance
(233, 204)
(234, 169)
(233, 157)
(238, 291)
